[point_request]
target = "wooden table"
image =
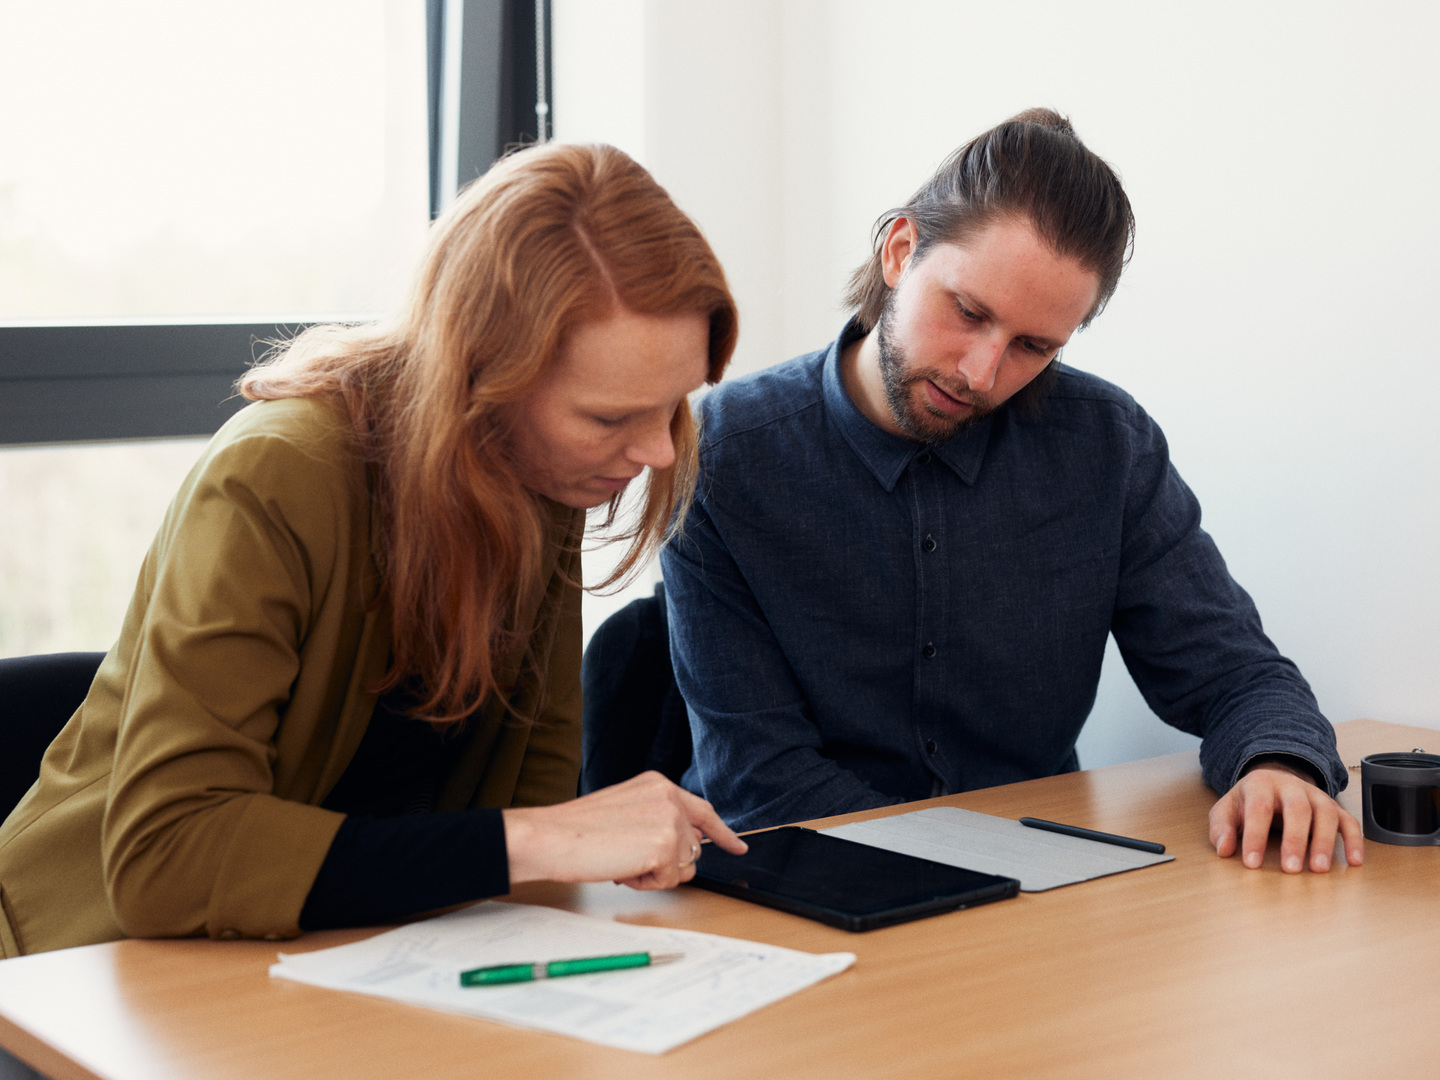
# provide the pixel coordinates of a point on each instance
(1194, 968)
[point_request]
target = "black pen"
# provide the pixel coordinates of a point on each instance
(1091, 834)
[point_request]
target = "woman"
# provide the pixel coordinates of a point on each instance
(365, 599)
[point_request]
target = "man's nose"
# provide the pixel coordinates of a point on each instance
(981, 362)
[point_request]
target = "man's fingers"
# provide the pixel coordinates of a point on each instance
(1296, 815)
(1323, 823)
(1222, 825)
(1259, 814)
(1353, 836)
(1310, 820)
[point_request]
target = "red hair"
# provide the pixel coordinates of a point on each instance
(550, 237)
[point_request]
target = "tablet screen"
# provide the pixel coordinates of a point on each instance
(843, 883)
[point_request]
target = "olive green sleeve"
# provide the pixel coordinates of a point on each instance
(194, 839)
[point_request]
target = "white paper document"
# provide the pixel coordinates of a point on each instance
(996, 845)
(650, 1009)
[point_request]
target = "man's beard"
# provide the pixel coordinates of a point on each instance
(925, 423)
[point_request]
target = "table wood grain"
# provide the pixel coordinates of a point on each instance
(1194, 968)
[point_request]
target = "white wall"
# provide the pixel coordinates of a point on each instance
(1276, 318)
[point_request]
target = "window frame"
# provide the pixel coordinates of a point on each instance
(138, 379)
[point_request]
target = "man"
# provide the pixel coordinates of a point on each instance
(907, 550)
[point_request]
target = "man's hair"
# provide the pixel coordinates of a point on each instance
(1034, 167)
(549, 238)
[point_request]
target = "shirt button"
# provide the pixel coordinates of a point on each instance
(924, 459)
(928, 543)
(928, 651)
(229, 935)
(931, 746)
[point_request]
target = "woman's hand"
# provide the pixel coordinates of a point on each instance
(644, 833)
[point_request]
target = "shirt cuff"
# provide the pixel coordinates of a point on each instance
(1304, 766)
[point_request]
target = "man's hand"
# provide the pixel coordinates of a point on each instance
(1308, 814)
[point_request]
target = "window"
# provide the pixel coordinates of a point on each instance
(173, 159)
(180, 180)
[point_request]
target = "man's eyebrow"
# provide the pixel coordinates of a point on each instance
(980, 309)
(970, 302)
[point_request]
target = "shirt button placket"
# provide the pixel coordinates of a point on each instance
(929, 492)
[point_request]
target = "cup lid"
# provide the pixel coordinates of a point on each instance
(1399, 759)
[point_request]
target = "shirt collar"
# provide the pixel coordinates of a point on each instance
(887, 456)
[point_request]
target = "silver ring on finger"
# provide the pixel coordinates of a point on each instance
(694, 856)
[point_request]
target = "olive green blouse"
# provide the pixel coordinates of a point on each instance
(183, 796)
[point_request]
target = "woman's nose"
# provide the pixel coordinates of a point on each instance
(655, 448)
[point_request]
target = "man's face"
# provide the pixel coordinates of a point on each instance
(970, 324)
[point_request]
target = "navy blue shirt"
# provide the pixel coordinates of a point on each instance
(858, 619)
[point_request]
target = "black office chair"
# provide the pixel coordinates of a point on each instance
(634, 716)
(38, 694)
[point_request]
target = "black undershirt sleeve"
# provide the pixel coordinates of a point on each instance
(395, 856)
(382, 870)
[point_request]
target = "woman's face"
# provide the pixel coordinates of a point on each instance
(602, 413)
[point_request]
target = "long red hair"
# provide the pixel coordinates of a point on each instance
(550, 237)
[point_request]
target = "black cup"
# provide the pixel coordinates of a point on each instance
(1402, 798)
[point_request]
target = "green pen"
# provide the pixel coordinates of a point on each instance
(513, 973)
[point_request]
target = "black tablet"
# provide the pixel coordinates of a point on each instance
(842, 883)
